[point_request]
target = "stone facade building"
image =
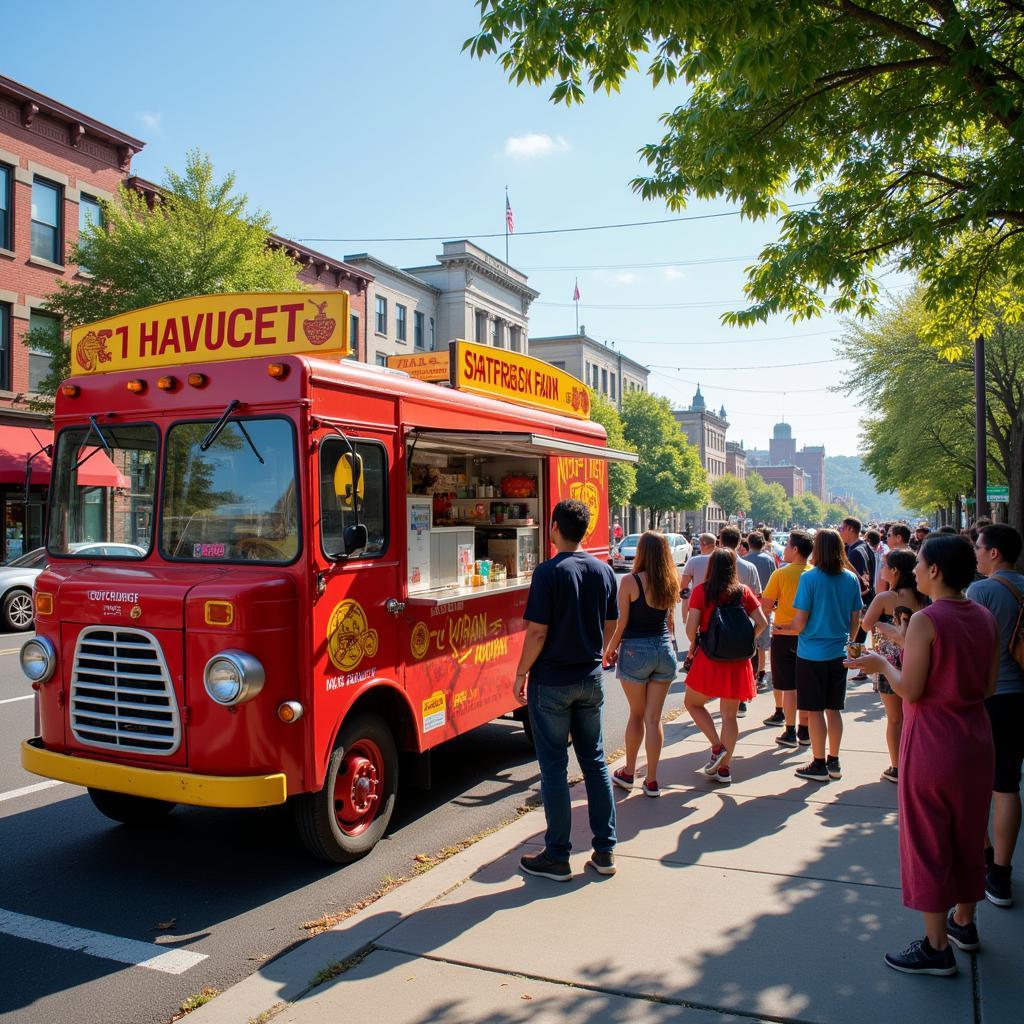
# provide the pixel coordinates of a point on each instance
(706, 430)
(735, 460)
(467, 293)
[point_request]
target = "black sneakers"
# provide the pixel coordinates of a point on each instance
(777, 717)
(998, 885)
(920, 958)
(787, 738)
(543, 866)
(816, 771)
(603, 862)
(741, 710)
(832, 765)
(963, 936)
(891, 774)
(803, 736)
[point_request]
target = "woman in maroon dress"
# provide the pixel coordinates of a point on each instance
(707, 679)
(950, 662)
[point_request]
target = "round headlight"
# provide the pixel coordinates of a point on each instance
(232, 677)
(38, 659)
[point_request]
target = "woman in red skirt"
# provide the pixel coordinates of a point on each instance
(950, 664)
(728, 681)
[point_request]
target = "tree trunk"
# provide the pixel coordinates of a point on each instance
(1016, 477)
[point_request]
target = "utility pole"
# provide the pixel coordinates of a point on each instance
(980, 431)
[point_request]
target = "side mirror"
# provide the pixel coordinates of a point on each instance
(356, 538)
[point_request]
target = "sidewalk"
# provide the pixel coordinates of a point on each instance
(772, 899)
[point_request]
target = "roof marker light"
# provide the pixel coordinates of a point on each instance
(167, 383)
(136, 387)
(197, 380)
(70, 390)
(277, 370)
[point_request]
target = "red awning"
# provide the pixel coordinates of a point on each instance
(18, 443)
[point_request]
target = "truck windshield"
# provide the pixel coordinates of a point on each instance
(101, 502)
(223, 504)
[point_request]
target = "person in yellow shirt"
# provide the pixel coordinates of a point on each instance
(779, 593)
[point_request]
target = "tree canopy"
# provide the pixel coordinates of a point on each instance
(621, 475)
(199, 238)
(808, 510)
(897, 126)
(729, 493)
(918, 439)
(669, 476)
(768, 502)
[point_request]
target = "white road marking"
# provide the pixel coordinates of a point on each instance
(25, 790)
(108, 947)
(11, 700)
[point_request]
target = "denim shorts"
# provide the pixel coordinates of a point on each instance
(649, 659)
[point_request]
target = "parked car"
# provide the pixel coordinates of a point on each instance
(18, 576)
(16, 580)
(624, 553)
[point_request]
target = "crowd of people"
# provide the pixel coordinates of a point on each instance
(945, 614)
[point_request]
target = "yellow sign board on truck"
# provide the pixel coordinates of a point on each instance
(212, 328)
(517, 378)
(429, 366)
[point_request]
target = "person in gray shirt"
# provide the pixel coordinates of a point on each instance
(764, 564)
(1002, 592)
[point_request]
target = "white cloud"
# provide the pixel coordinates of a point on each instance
(150, 119)
(673, 274)
(534, 145)
(620, 277)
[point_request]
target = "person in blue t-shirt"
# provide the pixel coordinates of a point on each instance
(827, 610)
(570, 617)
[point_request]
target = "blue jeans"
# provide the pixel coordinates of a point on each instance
(555, 712)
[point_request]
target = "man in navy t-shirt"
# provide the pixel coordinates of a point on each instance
(570, 614)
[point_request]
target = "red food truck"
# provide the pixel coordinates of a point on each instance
(321, 566)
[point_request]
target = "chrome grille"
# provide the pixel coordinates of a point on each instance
(121, 693)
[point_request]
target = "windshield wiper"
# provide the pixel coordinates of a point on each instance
(222, 423)
(93, 426)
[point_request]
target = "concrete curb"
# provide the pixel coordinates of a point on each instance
(289, 976)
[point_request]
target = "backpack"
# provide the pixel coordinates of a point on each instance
(1015, 642)
(730, 633)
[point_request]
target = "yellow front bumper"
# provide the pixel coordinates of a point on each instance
(174, 787)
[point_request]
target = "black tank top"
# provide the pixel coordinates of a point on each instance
(645, 621)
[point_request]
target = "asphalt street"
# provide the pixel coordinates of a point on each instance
(229, 889)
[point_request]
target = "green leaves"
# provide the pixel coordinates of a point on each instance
(729, 493)
(199, 238)
(621, 475)
(903, 122)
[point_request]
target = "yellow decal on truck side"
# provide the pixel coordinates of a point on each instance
(349, 637)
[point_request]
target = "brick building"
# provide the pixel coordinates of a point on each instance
(56, 165)
(782, 452)
(736, 459)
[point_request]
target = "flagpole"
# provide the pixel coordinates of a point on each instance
(506, 223)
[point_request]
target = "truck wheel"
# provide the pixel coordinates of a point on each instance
(130, 810)
(345, 819)
(18, 611)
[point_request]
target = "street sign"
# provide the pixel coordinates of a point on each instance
(998, 493)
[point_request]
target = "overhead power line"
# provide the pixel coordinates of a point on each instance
(722, 341)
(745, 391)
(647, 266)
(545, 231)
(744, 368)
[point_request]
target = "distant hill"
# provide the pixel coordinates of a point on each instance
(845, 474)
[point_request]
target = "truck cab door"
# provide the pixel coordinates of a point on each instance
(356, 615)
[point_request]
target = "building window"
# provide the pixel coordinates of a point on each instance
(418, 332)
(89, 212)
(496, 336)
(353, 336)
(6, 177)
(558, 364)
(5, 347)
(597, 377)
(39, 358)
(46, 206)
(432, 338)
(515, 338)
(604, 381)
(611, 381)
(480, 337)
(381, 325)
(382, 359)
(400, 322)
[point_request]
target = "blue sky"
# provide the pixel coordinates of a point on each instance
(366, 121)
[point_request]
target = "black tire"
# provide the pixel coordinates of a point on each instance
(130, 810)
(329, 822)
(18, 611)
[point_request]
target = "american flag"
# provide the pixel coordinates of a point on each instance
(510, 220)
(576, 291)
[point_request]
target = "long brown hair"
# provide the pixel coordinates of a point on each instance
(829, 554)
(722, 583)
(654, 557)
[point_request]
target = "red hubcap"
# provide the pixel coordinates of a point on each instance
(358, 787)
